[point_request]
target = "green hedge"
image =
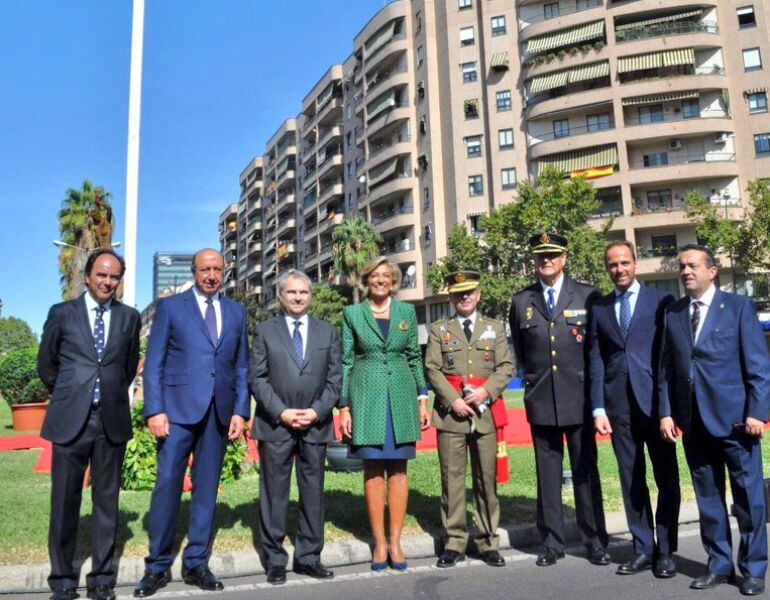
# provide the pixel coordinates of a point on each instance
(19, 383)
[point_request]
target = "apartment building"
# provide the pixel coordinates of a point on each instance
(443, 107)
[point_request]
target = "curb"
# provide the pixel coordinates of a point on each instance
(17, 579)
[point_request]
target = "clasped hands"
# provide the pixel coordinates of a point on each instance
(298, 418)
(466, 406)
(159, 426)
(753, 427)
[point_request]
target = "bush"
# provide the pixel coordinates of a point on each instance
(15, 334)
(19, 383)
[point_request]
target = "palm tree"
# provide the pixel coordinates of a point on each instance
(78, 229)
(354, 243)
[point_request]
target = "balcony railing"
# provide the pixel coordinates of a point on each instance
(669, 73)
(612, 208)
(309, 200)
(398, 104)
(657, 252)
(392, 214)
(572, 131)
(668, 161)
(659, 207)
(378, 78)
(651, 119)
(382, 146)
(402, 246)
(663, 29)
(395, 38)
(543, 17)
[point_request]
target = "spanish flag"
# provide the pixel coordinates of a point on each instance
(593, 172)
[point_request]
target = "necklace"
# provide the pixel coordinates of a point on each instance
(381, 310)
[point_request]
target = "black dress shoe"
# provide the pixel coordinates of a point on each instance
(151, 583)
(449, 558)
(639, 563)
(710, 580)
(316, 570)
(665, 567)
(101, 592)
(68, 594)
(751, 586)
(493, 558)
(598, 556)
(202, 577)
(276, 575)
(548, 556)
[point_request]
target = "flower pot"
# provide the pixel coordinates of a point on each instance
(28, 417)
(338, 460)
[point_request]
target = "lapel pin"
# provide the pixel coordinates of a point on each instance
(403, 326)
(528, 313)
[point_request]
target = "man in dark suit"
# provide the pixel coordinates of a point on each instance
(626, 328)
(549, 322)
(88, 358)
(295, 375)
(715, 386)
(196, 397)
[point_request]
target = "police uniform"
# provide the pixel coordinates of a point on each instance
(551, 351)
(451, 356)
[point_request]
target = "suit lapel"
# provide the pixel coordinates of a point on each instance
(84, 324)
(565, 297)
(192, 306)
(538, 301)
(454, 327)
(282, 332)
(116, 326)
(224, 309)
(713, 317)
(684, 321)
(312, 340)
(478, 329)
(609, 312)
(369, 317)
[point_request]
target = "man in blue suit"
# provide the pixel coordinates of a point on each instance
(625, 336)
(715, 386)
(195, 399)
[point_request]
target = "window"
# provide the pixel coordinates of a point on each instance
(664, 245)
(350, 170)
(350, 139)
(420, 56)
(475, 185)
(350, 111)
(752, 59)
(508, 178)
(656, 159)
(428, 236)
(439, 311)
(657, 199)
(505, 138)
(584, 4)
(503, 100)
(762, 143)
(466, 36)
(746, 17)
(476, 223)
(418, 22)
(551, 10)
(560, 128)
(600, 122)
(758, 102)
(667, 285)
(351, 202)
(498, 25)
(473, 145)
(425, 198)
(469, 71)
(650, 114)
(691, 109)
(464, 4)
(471, 109)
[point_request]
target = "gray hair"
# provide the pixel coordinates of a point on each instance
(295, 273)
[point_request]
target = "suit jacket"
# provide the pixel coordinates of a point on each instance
(184, 369)
(617, 363)
(552, 352)
(449, 352)
(375, 368)
(68, 365)
(727, 371)
(278, 382)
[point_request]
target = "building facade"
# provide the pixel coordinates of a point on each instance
(170, 270)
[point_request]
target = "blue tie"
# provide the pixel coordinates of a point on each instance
(625, 313)
(297, 339)
(211, 320)
(99, 346)
(551, 303)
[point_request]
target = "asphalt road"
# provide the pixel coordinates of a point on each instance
(572, 578)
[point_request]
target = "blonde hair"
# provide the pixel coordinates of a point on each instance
(372, 266)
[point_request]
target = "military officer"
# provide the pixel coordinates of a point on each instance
(468, 364)
(548, 325)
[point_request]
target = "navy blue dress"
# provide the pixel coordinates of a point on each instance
(389, 450)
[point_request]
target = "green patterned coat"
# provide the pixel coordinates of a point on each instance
(373, 367)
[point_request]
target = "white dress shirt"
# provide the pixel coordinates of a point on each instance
(201, 299)
(705, 302)
(633, 296)
(556, 289)
(91, 306)
(472, 318)
(303, 320)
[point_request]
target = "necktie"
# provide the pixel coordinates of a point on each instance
(695, 318)
(99, 346)
(625, 313)
(297, 339)
(551, 303)
(211, 320)
(467, 329)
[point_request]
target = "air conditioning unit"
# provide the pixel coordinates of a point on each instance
(675, 144)
(720, 138)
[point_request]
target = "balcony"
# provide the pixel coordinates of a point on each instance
(331, 162)
(523, 24)
(389, 77)
(571, 131)
(610, 208)
(382, 216)
(397, 247)
(330, 221)
(285, 226)
(666, 73)
(380, 146)
(286, 199)
(645, 32)
(651, 119)
(657, 252)
(329, 191)
(663, 160)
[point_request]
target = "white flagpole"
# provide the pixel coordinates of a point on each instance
(132, 160)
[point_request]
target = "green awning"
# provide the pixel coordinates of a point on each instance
(591, 71)
(382, 171)
(657, 98)
(579, 160)
(556, 79)
(675, 17)
(499, 61)
(381, 104)
(656, 60)
(566, 37)
(380, 38)
(547, 82)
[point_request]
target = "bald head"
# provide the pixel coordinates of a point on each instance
(207, 267)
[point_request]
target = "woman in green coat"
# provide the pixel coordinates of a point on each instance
(384, 401)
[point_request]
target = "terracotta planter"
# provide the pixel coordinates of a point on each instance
(28, 417)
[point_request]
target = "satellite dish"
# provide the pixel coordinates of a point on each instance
(411, 270)
(362, 179)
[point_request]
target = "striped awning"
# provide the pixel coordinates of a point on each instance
(547, 82)
(656, 60)
(557, 79)
(657, 98)
(675, 17)
(566, 37)
(499, 61)
(380, 38)
(579, 160)
(382, 171)
(590, 71)
(381, 104)
(756, 90)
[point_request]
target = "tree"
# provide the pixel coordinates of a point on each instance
(15, 334)
(354, 243)
(502, 253)
(85, 222)
(254, 312)
(328, 303)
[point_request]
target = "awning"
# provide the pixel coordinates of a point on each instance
(500, 61)
(657, 98)
(580, 160)
(547, 82)
(382, 171)
(557, 79)
(592, 71)
(380, 38)
(757, 90)
(675, 17)
(683, 56)
(381, 104)
(656, 60)
(566, 37)
(324, 97)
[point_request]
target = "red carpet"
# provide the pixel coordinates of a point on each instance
(27, 442)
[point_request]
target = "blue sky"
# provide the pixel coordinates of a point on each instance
(210, 100)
